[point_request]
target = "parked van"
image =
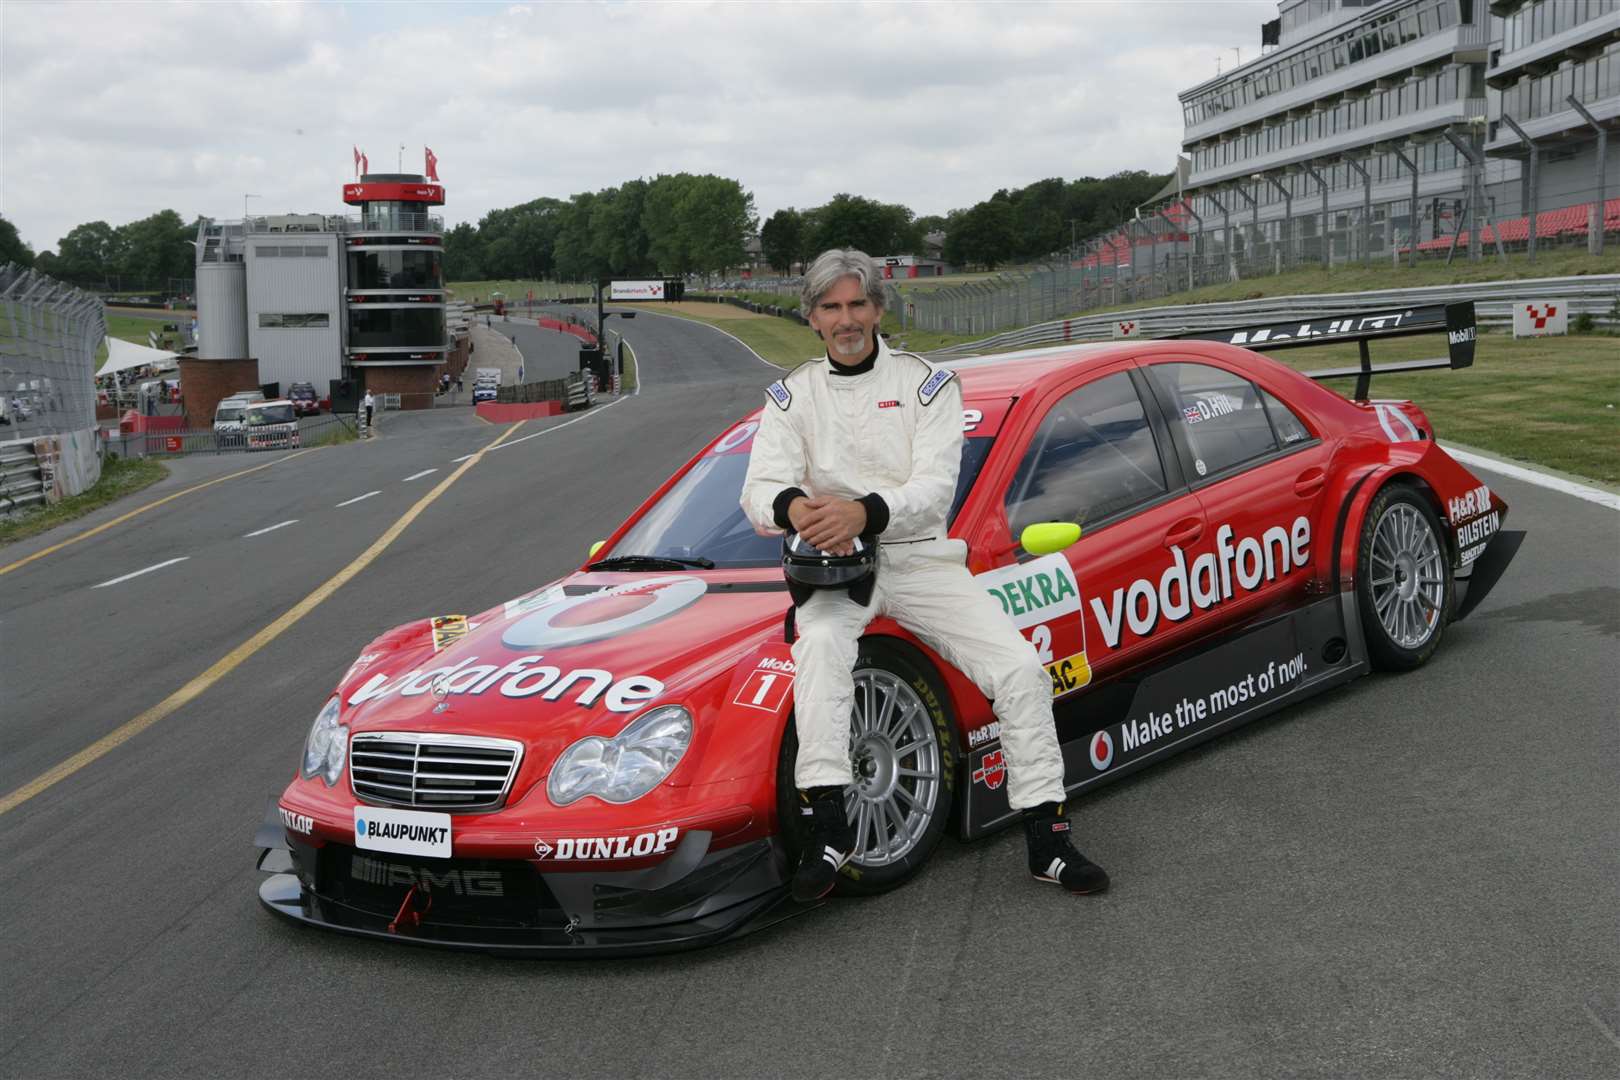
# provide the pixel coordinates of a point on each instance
(230, 417)
(271, 425)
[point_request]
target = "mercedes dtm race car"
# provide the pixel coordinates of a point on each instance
(601, 765)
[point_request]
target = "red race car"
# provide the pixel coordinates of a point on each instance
(600, 766)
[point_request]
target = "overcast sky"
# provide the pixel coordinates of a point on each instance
(114, 111)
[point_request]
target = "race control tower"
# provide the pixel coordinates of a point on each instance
(394, 300)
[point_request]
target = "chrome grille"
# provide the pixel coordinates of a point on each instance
(427, 771)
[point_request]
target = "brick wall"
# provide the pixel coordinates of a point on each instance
(414, 383)
(205, 383)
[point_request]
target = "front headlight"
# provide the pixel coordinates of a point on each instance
(327, 745)
(627, 766)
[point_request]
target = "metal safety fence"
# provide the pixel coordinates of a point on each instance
(1594, 295)
(49, 334)
(173, 442)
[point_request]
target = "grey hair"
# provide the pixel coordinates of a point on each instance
(831, 267)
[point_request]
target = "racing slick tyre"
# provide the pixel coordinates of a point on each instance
(1403, 579)
(904, 754)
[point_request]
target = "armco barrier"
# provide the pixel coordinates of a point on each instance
(501, 413)
(1594, 295)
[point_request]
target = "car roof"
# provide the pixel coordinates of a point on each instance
(1014, 374)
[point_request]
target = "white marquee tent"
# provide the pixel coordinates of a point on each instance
(123, 355)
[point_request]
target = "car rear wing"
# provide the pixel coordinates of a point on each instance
(1456, 321)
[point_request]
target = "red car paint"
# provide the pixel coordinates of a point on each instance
(722, 655)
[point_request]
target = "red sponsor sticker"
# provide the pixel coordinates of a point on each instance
(991, 771)
(764, 690)
(888, 404)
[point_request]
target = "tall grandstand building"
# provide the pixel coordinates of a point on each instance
(1373, 126)
(1545, 53)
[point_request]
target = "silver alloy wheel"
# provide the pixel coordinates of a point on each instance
(896, 761)
(1407, 575)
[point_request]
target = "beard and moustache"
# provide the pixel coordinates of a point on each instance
(857, 347)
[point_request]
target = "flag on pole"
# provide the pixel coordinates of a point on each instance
(356, 161)
(365, 163)
(432, 163)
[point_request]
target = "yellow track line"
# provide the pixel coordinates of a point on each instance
(88, 533)
(233, 659)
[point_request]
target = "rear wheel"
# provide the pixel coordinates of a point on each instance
(1403, 579)
(903, 755)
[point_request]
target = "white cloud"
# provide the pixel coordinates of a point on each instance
(114, 111)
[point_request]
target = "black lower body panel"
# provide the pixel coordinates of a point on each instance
(510, 907)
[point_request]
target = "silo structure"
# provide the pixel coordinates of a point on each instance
(222, 310)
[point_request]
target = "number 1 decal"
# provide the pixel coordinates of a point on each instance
(765, 690)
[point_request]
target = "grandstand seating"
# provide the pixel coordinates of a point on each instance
(1563, 223)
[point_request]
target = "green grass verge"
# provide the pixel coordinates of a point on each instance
(631, 375)
(1551, 401)
(332, 435)
(119, 477)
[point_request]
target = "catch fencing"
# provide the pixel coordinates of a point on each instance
(49, 334)
(1595, 295)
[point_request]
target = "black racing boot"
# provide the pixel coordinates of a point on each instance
(1053, 858)
(828, 843)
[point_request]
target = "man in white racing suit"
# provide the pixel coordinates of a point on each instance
(868, 442)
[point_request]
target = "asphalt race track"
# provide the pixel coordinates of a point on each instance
(1413, 876)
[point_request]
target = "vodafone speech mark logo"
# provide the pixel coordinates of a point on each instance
(1102, 751)
(574, 620)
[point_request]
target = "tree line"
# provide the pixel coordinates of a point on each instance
(1013, 225)
(671, 225)
(141, 254)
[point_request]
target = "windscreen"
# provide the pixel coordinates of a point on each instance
(700, 516)
(228, 413)
(271, 414)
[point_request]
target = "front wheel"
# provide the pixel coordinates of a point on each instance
(903, 755)
(1403, 580)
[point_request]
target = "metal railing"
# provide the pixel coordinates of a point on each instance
(178, 442)
(1596, 295)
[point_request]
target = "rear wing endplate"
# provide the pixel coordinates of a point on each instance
(1456, 321)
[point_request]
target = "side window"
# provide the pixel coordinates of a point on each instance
(1092, 456)
(1290, 428)
(1219, 414)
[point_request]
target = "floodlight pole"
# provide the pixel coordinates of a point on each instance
(1531, 186)
(1596, 218)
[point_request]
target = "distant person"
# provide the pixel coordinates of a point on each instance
(368, 404)
(520, 371)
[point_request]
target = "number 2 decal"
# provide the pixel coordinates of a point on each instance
(1041, 638)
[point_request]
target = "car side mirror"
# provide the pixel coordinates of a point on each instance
(1046, 537)
(595, 548)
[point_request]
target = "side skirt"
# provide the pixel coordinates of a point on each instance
(1116, 729)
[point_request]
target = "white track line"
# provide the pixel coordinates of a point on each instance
(419, 475)
(357, 498)
(270, 528)
(459, 460)
(1540, 479)
(711, 326)
(559, 427)
(138, 573)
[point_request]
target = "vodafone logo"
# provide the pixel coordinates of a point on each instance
(574, 620)
(1102, 751)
